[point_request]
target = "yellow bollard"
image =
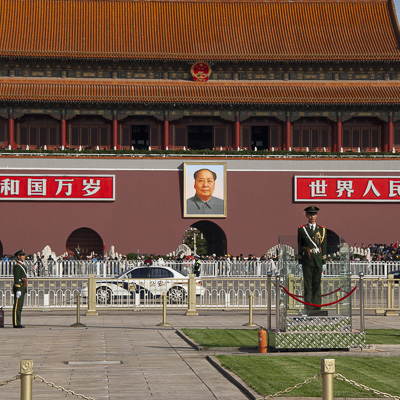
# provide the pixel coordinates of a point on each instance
(327, 372)
(26, 369)
(164, 323)
(192, 296)
(91, 300)
(250, 323)
(78, 312)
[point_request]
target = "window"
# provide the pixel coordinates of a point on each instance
(140, 273)
(3, 135)
(365, 137)
(311, 136)
(90, 135)
(159, 273)
(37, 134)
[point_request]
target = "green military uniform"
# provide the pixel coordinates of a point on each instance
(312, 256)
(20, 279)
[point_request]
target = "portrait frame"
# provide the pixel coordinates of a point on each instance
(191, 202)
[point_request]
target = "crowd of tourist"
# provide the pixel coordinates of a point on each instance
(376, 252)
(370, 252)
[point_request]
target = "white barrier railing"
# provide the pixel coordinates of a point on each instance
(380, 294)
(106, 269)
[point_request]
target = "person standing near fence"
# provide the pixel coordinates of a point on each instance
(19, 288)
(312, 243)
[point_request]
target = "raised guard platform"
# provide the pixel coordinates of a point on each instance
(317, 333)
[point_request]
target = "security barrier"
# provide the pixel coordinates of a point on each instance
(381, 295)
(26, 376)
(111, 268)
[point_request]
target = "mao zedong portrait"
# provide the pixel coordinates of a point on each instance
(203, 202)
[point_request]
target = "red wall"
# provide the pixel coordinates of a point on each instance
(147, 215)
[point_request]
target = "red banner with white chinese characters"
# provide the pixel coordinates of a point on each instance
(347, 188)
(57, 187)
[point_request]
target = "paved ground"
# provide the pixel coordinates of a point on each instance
(124, 354)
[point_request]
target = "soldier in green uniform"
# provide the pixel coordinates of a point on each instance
(311, 241)
(19, 288)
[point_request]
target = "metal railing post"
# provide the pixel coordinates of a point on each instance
(164, 322)
(269, 290)
(250, 323)
(327, 372)
(390, 295)
(277, 301)
(78, 311)
(26, 370)
(91, 299)
(361, 287)
(192, 296)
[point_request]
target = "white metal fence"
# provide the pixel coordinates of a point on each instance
(380, 294)
(106, 269)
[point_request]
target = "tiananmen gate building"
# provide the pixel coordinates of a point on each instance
(130, 75)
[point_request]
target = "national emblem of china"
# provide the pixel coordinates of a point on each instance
(201, 71)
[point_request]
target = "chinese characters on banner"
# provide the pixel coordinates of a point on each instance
(57, 187)
(347, 188)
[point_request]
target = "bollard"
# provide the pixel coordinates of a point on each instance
(78, 311)
(26, 370)
(91, 300)
(250, 323)
(262, 341)
(164, 299)
(328, 373)
(361, 287)
(192, 296)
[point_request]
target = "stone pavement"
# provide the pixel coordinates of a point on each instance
(123, 354)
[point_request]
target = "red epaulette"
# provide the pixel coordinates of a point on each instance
(301, 226)
(322, 226)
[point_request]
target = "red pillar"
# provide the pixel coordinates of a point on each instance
(237, 132)
(63, 131)
(11, 141)
(115, 133)
(390, 133)
(339, 132)
(385, 137)
(288, 133)
(165, 132)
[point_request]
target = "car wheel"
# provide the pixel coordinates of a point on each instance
(177, 295)
(103, 295)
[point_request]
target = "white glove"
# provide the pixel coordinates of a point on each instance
(300, 267)
(18, 294)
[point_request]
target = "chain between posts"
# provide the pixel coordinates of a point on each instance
(361, 386)
(299, 385)
(15, 378)
(62, 389)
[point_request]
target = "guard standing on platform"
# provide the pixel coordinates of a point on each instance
(312, 241)
(19, 288)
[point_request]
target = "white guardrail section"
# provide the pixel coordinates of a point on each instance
(107, 269)
(380, 294)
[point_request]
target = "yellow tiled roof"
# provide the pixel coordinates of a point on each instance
(221, 30)
(167, 92)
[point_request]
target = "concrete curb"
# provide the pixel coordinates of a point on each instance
(235, 380)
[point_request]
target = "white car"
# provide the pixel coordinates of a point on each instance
(147, 282)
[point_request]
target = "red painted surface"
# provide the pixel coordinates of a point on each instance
(147, 215)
